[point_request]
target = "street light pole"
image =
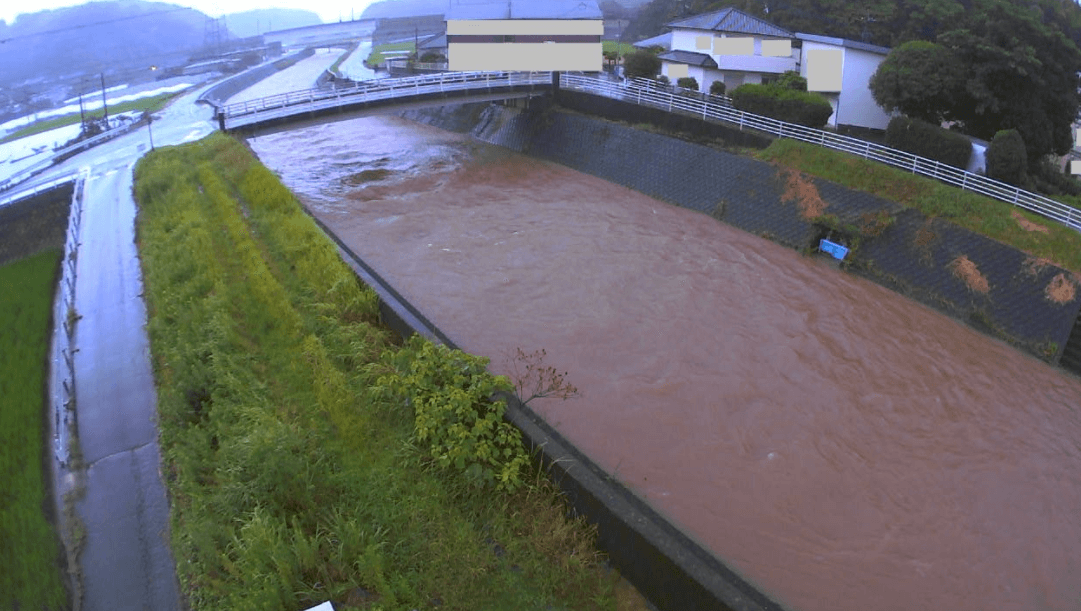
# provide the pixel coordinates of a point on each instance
(103, 103)
(149, 120)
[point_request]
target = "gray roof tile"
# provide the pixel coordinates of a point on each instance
(732, 20)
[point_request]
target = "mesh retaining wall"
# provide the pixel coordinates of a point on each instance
(912, 255)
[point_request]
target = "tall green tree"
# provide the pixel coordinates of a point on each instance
(1021, 73)
(921, 79)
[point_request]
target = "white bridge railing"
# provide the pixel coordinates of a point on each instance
(294, 102)
(718, 109)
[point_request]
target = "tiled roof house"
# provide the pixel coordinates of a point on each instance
(734, 47)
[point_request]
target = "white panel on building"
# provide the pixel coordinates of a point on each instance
(777, 48)
(825, 68)
(677, 70)
(742, 45)
(703, 43)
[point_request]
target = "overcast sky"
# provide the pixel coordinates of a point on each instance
(328, 10)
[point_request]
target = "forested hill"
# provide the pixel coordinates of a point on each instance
(260, 21)
(95, 37)
(882, 22)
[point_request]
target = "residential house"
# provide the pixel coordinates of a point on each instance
(730, 46)
(737, 48)
(841, 71)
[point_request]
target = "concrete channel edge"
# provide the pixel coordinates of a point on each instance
(672, 571)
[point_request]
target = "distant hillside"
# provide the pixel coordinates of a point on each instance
(390, 9)
(260, 21)
(96, 37)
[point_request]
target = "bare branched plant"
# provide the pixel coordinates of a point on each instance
(532, 379)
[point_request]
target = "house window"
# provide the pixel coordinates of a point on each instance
(769, 78)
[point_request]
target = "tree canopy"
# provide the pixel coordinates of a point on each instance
(921, 79)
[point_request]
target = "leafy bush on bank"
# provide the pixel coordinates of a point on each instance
(1006, 158)
(789, 105)
(293, 479)
(930, 141)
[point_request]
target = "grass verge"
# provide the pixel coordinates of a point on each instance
(623, 47)
(151, 104)
(30, 554)
(990, 217)
(376, 56)
(295, 476)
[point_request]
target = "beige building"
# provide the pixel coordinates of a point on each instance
(525, 35)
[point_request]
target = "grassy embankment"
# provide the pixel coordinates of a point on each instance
(151, 104)
(376, 57)
(623, 47)
(298, 472)
(30, 555)
(984, 215)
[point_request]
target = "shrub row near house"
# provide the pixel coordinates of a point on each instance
(792, 106)
(930, 141)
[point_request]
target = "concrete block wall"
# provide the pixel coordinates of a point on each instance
(746, 193)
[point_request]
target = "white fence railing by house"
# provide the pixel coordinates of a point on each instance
(405, 63)
(720, 111)
(295, 102)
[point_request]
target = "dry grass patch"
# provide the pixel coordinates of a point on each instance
(1061, 289)
(966, 270)
(799, 189)
(1035, 265)
(1026, 224)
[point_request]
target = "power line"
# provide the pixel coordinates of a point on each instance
(96, 23)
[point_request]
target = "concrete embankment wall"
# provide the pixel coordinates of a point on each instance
(913, 255)
(218, 94)
(36, 223)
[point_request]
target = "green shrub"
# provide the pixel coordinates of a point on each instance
(1006, 158)
(456, 418)
(791, 80)
(716, 88)
(641, 63)
(930, 141)
(687, 82)
(431, 57)
(800, 107)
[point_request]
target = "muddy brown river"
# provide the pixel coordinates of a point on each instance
(840, 446)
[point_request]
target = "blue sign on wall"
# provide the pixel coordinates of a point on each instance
(832, 248)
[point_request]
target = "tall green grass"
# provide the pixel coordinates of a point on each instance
(293, 479)
(30, 555)
(981, 214)
(376, 56)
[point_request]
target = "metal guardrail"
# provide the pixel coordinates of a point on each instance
(60, 154)
(379, 89)
(646, 96)
(404, 63)
(64, 397)
(52, 184)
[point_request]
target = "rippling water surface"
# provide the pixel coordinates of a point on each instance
(842, 447)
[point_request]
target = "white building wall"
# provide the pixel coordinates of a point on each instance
(685, 39)
(858, 106)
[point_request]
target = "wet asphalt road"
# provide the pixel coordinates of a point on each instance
(126, 562)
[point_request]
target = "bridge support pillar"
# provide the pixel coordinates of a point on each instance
(221, 120)
(555, 86)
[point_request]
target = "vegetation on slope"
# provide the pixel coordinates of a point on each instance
(990, 217)
(298, 471)
(30, 555)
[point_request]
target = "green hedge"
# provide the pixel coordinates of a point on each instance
(1006, 158)
(800, 107)
(930, 141)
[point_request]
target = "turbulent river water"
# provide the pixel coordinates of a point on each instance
(840, 446)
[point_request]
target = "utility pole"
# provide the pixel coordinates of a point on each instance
(149, 120)
(103, 102)
(82, 113)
